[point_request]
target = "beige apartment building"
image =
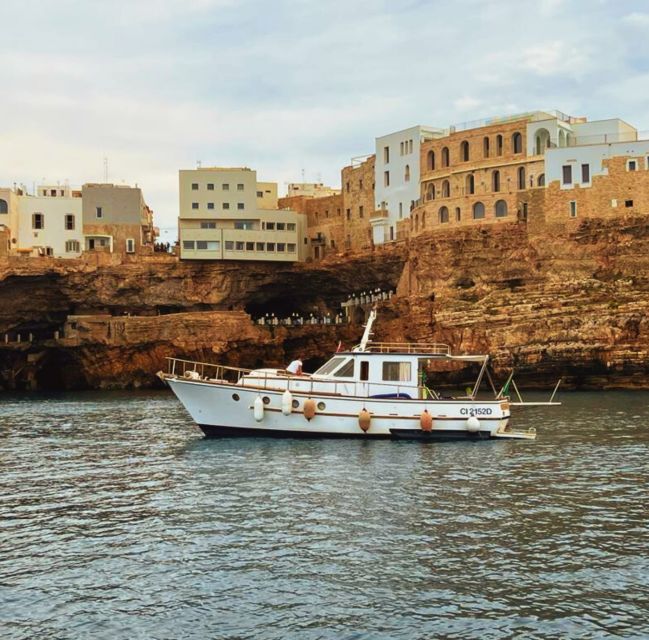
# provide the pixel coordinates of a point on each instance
(225, 214)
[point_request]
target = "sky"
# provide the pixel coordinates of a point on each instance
(291, 88)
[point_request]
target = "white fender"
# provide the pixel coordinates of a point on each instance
(258, 409)
(287, 403)
(472, 424)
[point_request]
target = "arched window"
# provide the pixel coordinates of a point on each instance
(430, 191)
(445, 157)
(458, 214)
(542, 141)
(4, 208)
(521, 177)
(485, 147)
(470, 184)
(500, 209)
(446, 189)
(431, 161)
(406, 175)
(540, 181)
(562, 138)
(443, 215)
(499, 145)
(517, 143)
(417, 222)
(495, 181)
(464, 151)
(423, 220)
(478, 211)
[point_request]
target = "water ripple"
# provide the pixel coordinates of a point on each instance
(118, 521)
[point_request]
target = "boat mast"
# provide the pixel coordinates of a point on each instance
(368, 331)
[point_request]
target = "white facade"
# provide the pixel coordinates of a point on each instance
(50, 224)
(396, 177)
(585, 161)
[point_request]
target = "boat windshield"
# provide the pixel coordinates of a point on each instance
(329, 367)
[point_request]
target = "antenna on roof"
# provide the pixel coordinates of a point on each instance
(105, 168)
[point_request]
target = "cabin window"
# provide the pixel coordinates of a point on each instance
(330, 366)
(397, 371)
(365, 370)
(346, 371)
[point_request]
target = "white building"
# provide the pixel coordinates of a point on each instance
(50, 223)
(396, 178)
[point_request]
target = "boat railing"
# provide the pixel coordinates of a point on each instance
(280, 379)
(435, 348)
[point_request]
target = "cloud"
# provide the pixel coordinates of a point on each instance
(637, 19)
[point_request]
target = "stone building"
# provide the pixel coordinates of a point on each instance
(310, 190)
(225, 214)
(116, 219)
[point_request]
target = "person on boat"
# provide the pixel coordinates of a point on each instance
(295, 367)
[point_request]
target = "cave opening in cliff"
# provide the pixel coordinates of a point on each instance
(59, 371)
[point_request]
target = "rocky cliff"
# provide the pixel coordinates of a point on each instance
(573, 302)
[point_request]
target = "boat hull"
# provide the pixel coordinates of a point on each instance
(223, 409)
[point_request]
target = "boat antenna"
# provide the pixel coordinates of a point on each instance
(368, 331)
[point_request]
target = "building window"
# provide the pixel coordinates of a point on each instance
(210, 186)
(4, 207)
(386, 155)
(240, 206)
(281, 247)
(485, 147)
(406, 175)
(188, 245)
(213, 245)
(360, 211)
(270, 226)
(443, 215)
(499, 145)
(248, 225)
(260, 246)
(386, 178)
(99, 212)
(410, 146)
(38, 221)
(495, 181)
(130, 245)
(226, 187)
(540, 181)
(347, 186)
(348, 212)
(201, 245)
(628, 203)
(290, 226)
(458, 214)
(69, 222)
(585, 173)
(517, 143)
(478, 211)
(430, 162)
(239, 187)
(401, 148)
(445, 157)
(567, 174)
(206, 224)
(250, 246)
(270, 246)
(573, 208)
(194, 205)
(72, 246)
(281, 226)
(464, 151)
(631, 165)
(210, 205)
(521, 177)
(470, 184)
(229, 245)
(400, 210)
(194, 186)
(239, 245)
(430, 193)
(290, 247)
(360, 184)
(500, 209)
(226, 205)
(260, 194)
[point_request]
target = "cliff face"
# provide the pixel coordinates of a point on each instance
(574, 303)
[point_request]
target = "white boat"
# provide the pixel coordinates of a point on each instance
(373, 391)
